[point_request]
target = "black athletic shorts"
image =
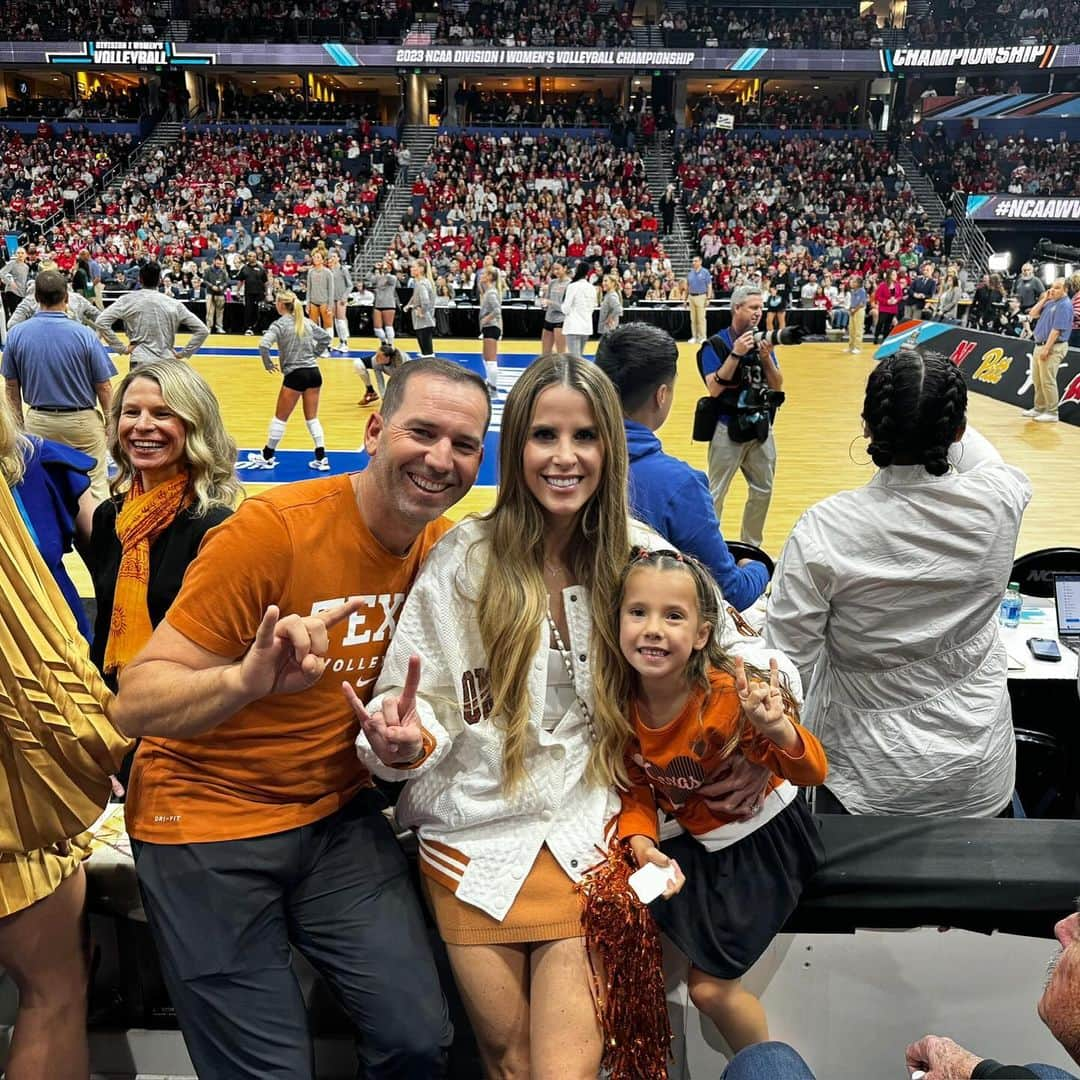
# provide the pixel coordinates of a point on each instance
(492, 332)
(552, 326)
(305, 378)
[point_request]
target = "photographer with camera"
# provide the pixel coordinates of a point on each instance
(745, 384)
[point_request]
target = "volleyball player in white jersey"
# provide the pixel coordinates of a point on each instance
(299, 343)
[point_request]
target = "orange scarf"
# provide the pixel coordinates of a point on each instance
(141, 519)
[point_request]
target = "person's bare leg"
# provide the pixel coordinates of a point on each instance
(43, 949)
(494, 984)
(566, 1040)
(737, 1014)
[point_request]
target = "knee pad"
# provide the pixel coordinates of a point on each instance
(316, 431)
(277, 431)
(380, 333)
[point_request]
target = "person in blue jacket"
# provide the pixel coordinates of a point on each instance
(666, 493)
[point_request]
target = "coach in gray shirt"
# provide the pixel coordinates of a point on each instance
(78, 307)
(152, 320)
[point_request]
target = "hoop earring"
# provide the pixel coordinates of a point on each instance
(869, 460)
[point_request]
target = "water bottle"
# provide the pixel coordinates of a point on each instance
(1012, 604)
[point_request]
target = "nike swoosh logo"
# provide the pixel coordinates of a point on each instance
(364, 682)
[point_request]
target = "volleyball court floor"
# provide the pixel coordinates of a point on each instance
(818, 429)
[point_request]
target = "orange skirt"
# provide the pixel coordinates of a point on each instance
(546, 909)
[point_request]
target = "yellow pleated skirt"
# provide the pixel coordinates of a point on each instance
(27, 878)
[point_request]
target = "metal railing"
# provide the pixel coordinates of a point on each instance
(977, 249)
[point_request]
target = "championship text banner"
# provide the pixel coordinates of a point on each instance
(994, 365)
(267, 56)
(1023, 208)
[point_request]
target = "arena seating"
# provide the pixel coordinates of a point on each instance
(779, 110)
(985, 163)
(816, 203)
(994, 22)
(230, 189)
(117, 20)
(298, 20)
(555, 111)
(41, 173)
(289, 106)
(536, 22)
(527, 199)
(101, 104)
(776, 27)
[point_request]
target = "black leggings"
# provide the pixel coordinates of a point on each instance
(426, 339)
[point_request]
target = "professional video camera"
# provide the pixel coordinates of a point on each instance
(788, 335)
(1049, 251)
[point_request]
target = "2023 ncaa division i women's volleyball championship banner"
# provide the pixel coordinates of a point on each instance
(997, 366)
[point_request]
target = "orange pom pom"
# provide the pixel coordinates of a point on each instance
(624, 943)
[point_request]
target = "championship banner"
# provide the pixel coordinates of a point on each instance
(1022, 208)
(994, 365)
(440, 58)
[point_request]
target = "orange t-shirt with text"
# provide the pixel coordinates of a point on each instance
(288, 759)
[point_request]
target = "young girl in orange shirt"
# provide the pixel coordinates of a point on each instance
(689, 706)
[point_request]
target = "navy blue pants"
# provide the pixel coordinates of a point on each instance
(224, 915)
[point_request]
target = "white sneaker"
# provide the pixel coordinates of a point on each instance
(257, 461)
(319, 464)
(249, 333)
(1030, 413)
(1046, 418)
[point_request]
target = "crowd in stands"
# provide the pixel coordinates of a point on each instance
(565, 110)
(535, 22)
(122, 103)
(527, 201)
(90, 20)
(815, 205)
(995, 22)
(1018, 164)
(41, 173)
(778, 28)
(298, 20)
(787, 110)
(274, 196)
(287, 105)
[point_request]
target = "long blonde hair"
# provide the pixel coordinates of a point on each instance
(513, 600)
(296, 310)
(14, 445)
(616, 683)
(208, 448)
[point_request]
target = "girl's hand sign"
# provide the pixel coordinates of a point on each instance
(394, 733)
(762, 703)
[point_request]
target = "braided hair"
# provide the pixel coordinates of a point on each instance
(913, 409)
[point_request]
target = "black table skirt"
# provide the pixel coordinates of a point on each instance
(519, 323)
(1016, 876)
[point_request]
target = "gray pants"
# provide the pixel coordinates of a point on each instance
(223, 916)
(575, 344)
(757, 462)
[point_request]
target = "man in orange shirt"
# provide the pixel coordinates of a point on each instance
(254, 826)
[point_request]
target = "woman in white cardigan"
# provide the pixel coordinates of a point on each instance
(578, 306)
(887, 597)
(511, 792)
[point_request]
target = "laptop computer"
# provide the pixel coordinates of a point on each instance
(1067, 598)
